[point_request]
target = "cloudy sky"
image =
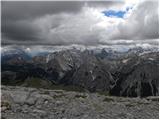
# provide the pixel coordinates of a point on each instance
(80, 22)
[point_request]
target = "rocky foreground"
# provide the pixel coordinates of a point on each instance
(22, 102)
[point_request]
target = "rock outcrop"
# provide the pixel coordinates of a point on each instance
(138, 77)
(31, 103)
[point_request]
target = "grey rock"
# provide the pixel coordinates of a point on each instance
(19, 97)
(31, 101)
(74, 105)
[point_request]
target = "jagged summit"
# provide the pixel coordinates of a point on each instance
(130, 73)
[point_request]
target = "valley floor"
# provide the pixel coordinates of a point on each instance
(21, 102)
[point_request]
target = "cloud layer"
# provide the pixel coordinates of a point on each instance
(68, 22)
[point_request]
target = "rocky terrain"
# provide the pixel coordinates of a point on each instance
(22, 102)
(131, 73)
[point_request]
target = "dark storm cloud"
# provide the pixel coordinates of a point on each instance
(17, 16)
(13, 10)
(20, 30)
(104, 3)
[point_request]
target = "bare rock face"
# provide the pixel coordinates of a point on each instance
(92, 74)
(138, 77)
(142, 82)
(81, 69)
(62, 63)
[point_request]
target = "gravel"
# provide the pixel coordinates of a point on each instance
(25, 103)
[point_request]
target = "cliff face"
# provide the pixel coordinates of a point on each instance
(24, 103)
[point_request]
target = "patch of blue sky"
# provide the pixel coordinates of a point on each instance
(114, 13)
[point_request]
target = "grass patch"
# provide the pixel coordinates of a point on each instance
(58, 96)
(6, 104)
(136, 104)
(46, 84)
(46, 92)
(67, 88)
(80, 96)
(108, 99)
(37, 83)
(97, 107)
(130, 105)
(106, 93)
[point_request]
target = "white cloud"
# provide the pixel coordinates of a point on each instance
(91, 27)
(142, 22)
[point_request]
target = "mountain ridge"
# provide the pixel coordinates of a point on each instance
(107, 71)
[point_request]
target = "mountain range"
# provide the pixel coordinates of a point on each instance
(129, 73)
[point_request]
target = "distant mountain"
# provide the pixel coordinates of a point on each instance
(13, 54)
(130, 73)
